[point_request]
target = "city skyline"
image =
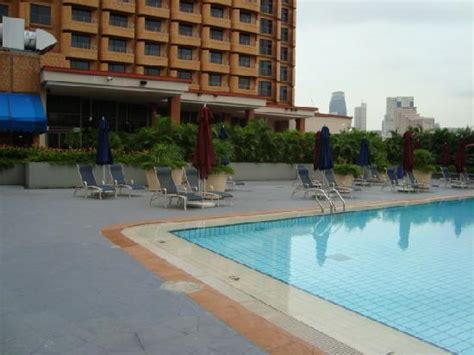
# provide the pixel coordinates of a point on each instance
(354, 49)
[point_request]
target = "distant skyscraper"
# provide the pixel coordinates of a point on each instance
(337, 106)
(360, 117)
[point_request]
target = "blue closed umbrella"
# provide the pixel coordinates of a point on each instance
(104, 152)
(364, 158)
(223, 136)
(325, 154)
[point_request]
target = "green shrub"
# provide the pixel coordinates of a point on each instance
(222, 169)
(347, 169)
(164, 155)
(423, 160)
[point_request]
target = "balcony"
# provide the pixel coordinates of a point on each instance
(208, 66)
(252, 5)
(160, 60)
(191, 63)
(88, 3)
(208, 42)
(84, 52)
(150, 34)
(218, 2)
(143, 8)
(237, 69)
(78, 24)
(234, 87)
(123, 55)
(194, 40)
(237, 25)
(113, 30)
(242, 48)
(178, 15)
(224, 87)
(127, 6)
(210, 20)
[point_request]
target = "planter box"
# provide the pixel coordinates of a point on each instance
(344, 180)
(422, 177)
(13, 176)
(266, 171)
(217, 181)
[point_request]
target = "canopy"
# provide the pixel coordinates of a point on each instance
(325, 155)
(460, 160)
(408, 151)
(364, 158)
(22, 113)
(204, 158)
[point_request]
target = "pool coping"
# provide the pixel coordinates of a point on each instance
(266, 326)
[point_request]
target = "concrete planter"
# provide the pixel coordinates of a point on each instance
(13, 176)
(422, 177)
(344, 180)
(216, 182)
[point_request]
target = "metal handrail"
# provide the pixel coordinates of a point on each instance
(340, 198)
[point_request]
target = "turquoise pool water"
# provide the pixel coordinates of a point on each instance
(411, 268)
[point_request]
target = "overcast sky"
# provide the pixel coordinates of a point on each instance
(374, 49)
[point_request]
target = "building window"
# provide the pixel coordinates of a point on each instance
(244, 60)
(3, 11)
(285, 15)
(81, 15)
(266, 26)
(153, 3)
(265, 88)
(40, 14)
(265, 68)
(185, 53)
(244, 82)
(185, 29)
(217, 34)
(118, 45)
(152, 25)
(152, 49)
(215, 80)
(245, 16)
(152, 71)
(185, 74)
(80, 64)
(283, 73)
(117, 68)
(244, 38)
(80, 41)
(215, 57)
(284, 54)
(118, 20)
(217, 11)
(265, 47)
(267, 6)
(283, 93)
(186, 6)
(284, 34)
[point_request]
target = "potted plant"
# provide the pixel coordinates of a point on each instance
(223, 151)
(345, 173)
(423, 166)
(164, 155)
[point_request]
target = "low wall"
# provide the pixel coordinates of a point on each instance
(13, 176)
(265, 171)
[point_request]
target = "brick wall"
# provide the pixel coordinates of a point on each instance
(19, 72)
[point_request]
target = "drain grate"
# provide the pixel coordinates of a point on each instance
(234, 278)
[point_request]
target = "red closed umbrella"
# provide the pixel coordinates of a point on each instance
(445, 154)
(203, 158)
(408, 151)
(316, 150)
(460, 160)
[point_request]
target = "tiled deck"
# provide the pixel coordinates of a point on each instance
(66, 289)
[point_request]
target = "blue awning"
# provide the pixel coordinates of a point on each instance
(22, 113)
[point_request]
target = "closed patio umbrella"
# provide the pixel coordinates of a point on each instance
(408, 151)
(204, 158)
(104, 152)
(325, 155)
(316, 150)
(445, 154)
(364, 158)
(460, 160)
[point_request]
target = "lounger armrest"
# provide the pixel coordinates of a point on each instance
(211, 188)
(115, 182)
(132, 181)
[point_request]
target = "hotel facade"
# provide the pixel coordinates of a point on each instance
(131, 60)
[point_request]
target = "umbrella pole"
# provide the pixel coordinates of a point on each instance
(103, 174)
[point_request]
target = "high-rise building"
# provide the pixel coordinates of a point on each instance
(337, 106)
(401, 114)
(167, 57)
(360, 117)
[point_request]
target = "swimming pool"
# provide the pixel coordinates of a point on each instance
(408, 267)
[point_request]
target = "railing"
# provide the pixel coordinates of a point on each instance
(40, 19)
(120, 23)
(119, 49)
(153, 28)
(83, 18)
(83, 45)
(333, 190)
(188, 56)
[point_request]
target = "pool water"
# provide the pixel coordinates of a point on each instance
(411, 268)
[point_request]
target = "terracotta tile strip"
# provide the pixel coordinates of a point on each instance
(258, 330)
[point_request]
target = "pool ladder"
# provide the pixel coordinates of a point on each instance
(326, 194)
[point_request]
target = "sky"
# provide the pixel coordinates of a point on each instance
(376, 49)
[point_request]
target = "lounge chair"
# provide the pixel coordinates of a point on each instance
(414, 183)
(88, 182)
(116, 172)
(466, 179)
(305, 183)
(365, 179)
(192, 181)
(395, 184)
(450, 178)
(375, 176)
(330, 182)
(169, 191)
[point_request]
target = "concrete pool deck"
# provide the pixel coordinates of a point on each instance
(66, 289)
